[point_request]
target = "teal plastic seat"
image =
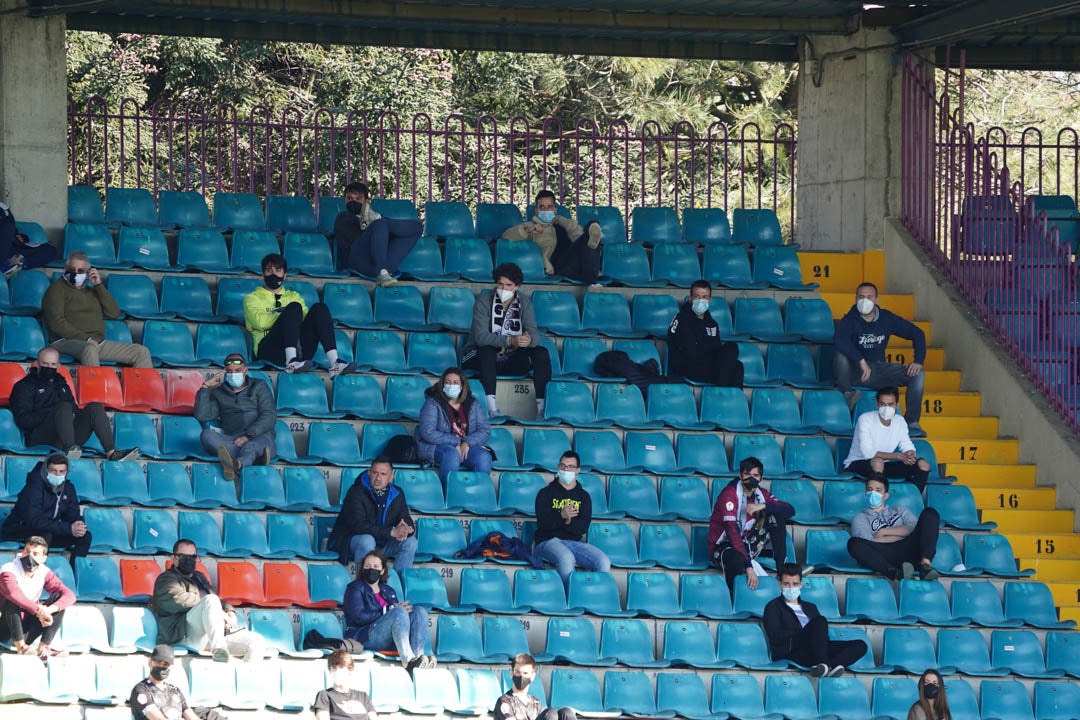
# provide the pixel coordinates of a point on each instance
(596, 593)
(98, 579)
(381, 350)
(336, 443)
(542, 447)
(1005, 699)
(188, 297)
(168, 484)
(676, 265)
(893, 696)
(440, 538)
(759, 318)
(488, 589)
(422, 488)
(136, 296)
(505, 451)
(754, 367)
(757, 228)
(470, 258)
(203, 250)
(727, 409)
(130, 206)
(777, 409)
(145, 248)
(608, 217)
(703, 454)
(238, 211)
(84, 205)
(448, 219)
(425, 262)
(432, 353)
(966, 651)
(706, 226)
(729, 266)
(819, 590)
(183, 209)
(471, 491)
(686, 497)
(873, 599)
(458, 639)
(616, 540)
(478, 690)
(622, 405)
(652, 451)
(123, 484)
(738, 696)
(135, 430)
(794, 365)
(571, 402)
(866, 663)
(275, 626)
(1063, 652)
(594, 485)
(290, 214)
(744, 643)
(811, 456)
(635, 495)
(133, 627)
(827, 410)
(631, 693)
(359, 396)
(956, 506)
(810, 319)
(607, 313)
(573, 640)
(1055, 701)
(979, 600)
(691, 644)
(992, 554)
(674, 405)
(401, 306)
(303, 394)
(395, 208)
(450, 308)
(928, 602)
(780, 268)
(579, 357)
(600, 450)
(20, 337)
(655, 226)
(557, 312)
(288, 535)
(249, 247)
(654, 595)
(1021, 652)
(627, 264)
(753, 602)
(577, 689)
(652, 314)
(666, 545)
(492, 219)
(26, 290)
(828, 549)
(154, 531)
(802, 495)
(350, 305)
(230, 295)
(790, 695)
(542, 591)
(764, 448)
(424, 586)
(108, 529)
(842, 500)
(244, 535)
(708, 596)
(526, 255)
(376, 436)
(910, 649)
(170, 343)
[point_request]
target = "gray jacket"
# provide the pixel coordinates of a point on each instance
(248, 411)
(480, 334)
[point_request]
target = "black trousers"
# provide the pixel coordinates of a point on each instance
(811, 646)
(17, 629)
(294, 329)
(516, 362)
(68, 425)
(894, 469)
(733, 563)
(885, 558)
(576, 260)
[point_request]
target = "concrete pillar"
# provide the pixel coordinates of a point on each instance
(33, 119)
(849, 140)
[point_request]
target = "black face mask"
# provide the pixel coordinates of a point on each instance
(46, 373)
(29, 564)
(273, 281)
(354, 207)
(159, 673)
(750, 484)
(520, 682)
(370, 575)
(931, 691)
(185, 564)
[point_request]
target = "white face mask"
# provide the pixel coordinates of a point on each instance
(341, 677)
(700, 307)
(504, 295)
(865, 306)
(567, 477)
(886, 412)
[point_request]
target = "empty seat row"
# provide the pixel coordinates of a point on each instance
(679, 265)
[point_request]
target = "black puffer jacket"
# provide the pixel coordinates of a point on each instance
(34, 397)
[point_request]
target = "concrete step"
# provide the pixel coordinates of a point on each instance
(994, 452)
(948, 404)
(1015, 499)
(943, 381)
(1053, 521)
(985, 475)
(1046, 546)
(960, 428)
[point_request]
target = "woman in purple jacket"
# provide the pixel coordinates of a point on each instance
(453, 427)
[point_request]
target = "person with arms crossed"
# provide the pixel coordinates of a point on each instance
(890, 540)
(566, 248)
(375, 515)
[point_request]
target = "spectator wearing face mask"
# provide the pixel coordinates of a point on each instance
(25, 616)
(563, 516)
(518, 703)
(369, 243)
(48, 507)
(890, 540)
(453, 427)
(156, 699)
(932, 703)
(75, 308)
(45, 410)
(567, 248)
(245, 411)
(189, 613)
(695, 349)
(341, 701)
(882, 445)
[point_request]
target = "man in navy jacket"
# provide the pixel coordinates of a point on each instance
(375, 516)
(862, 337)
(48, 506)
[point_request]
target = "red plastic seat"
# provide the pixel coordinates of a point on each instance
(10, 373)
(98, 384)
(180, 389)
(143, 389)
(137, 577)
(285, 584)
(239, 583)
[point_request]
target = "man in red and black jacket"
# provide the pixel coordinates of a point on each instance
(742, 512)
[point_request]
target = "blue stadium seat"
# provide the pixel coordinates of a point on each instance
(493, 219)
(571, 402)
(573, 640)
(654, 595)
(557, 312)
(138, 430)
(350, 305)
(288, 535)
(261, 487)
(744, 644)
(729, 266)
(793, 365)
(214, 342)
(1032, 602)
(244, 535)
(827, 410)
(578, 689)
(303, 394)
(811, 457)
(686, 497)
(431, 353)
(790, 695)
(440, 538)
(910, 649)
(375, 437)
(183, 209)
(488, 589)
(501, 442)
(381, 350)
(526, 255)
(335, 443)
(395, 208)
(652, 314)
(703, 453)
(777, 409)
(473, 492)
(94, 240)
(1063, 652)
(517, 491)
(764, 448)
(738, 696)
(579, 357)
(652, 451)
(843, 697)
(677, 265)
(956, 505)
(655, 226)
(425, 262)
(153, 531)
(691, 644)
(757, 228)
(130, 206)
(707, 595)
(470, 258)
(874, 599)
(27, 288)
(622, 405)
(108, 529)
(597, 594)
(759, 318)
(288, 213)
(828, 549)
(188, 297)
(631, 693)
(754, 367)
(616, 540)
(992, 554)
(97, 579)
(979, 601)
(238, 212)
(601, 450)
(450, 308)
(802, 495)
(203, 250)
(405, 395)
(608, 217)
(541, 448)
(211, 489)
(422, 488)
(892, 697)
(809, 318)
(1056, 701)
(84, 205)
(593, 485)
(966, 651)
(136, 296)
(928, 602)
(1005, 699)
(170, 343)
(424, 586)
(20, 337)
(1021, 652)
(640, 351)
(753, 602)
(359, 396)
(169, 484)
(328, 210)
(230, 296)
(458, 638)
(779, 266)
(627, 264)
(706, 226)
(123, 484)
(145, 248)
(308, 253)
(249, 247)
(674, 405)
(727, 409)
(543, 591)
(448, 219)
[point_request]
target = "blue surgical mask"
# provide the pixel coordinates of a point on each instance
(567, 477)
(452, 391)
(55, 480)
(234, 379)
(790, 594)
(700, 307)
(874, 499)
(546, 216)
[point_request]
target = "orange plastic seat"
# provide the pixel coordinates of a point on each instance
(285, 584)
(180, 389)
(239, 583)
(10, 373)
(137, 577)
(98, 384)
(143, 389)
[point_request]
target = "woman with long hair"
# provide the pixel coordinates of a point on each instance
(453, 427)
(932, 703)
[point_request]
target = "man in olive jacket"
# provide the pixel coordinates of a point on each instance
(244, 406)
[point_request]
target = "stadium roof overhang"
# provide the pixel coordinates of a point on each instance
(1026, 34)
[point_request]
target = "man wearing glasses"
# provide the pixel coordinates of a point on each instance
(563, 516)
(189, 613)
(245, 409)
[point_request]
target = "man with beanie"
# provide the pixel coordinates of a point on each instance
(563, 516)
(369, 243)
(25, 616)
(48, 506)
(695, 350)
(156, 699)
(375, 516)
(189, 613)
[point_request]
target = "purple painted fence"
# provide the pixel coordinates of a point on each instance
(193, 147)
(978, 206)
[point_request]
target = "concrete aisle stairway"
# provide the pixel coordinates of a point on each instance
(967, 443)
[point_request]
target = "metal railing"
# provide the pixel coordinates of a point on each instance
(212, 149)
(970, 201)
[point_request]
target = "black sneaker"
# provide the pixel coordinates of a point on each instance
(927, 571)
(122, 455)
(416, 662)
(819, 670)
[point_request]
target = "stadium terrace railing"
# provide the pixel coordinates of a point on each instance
(968, 200)
(212, 149)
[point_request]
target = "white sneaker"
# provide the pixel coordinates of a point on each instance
(297, 365)
(341, 368)
(74, 452)
(595, 233)
(385, 279)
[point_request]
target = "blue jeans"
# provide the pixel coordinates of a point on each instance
(398, 628)
(565, 554)
(446, 457)
(402, 551)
